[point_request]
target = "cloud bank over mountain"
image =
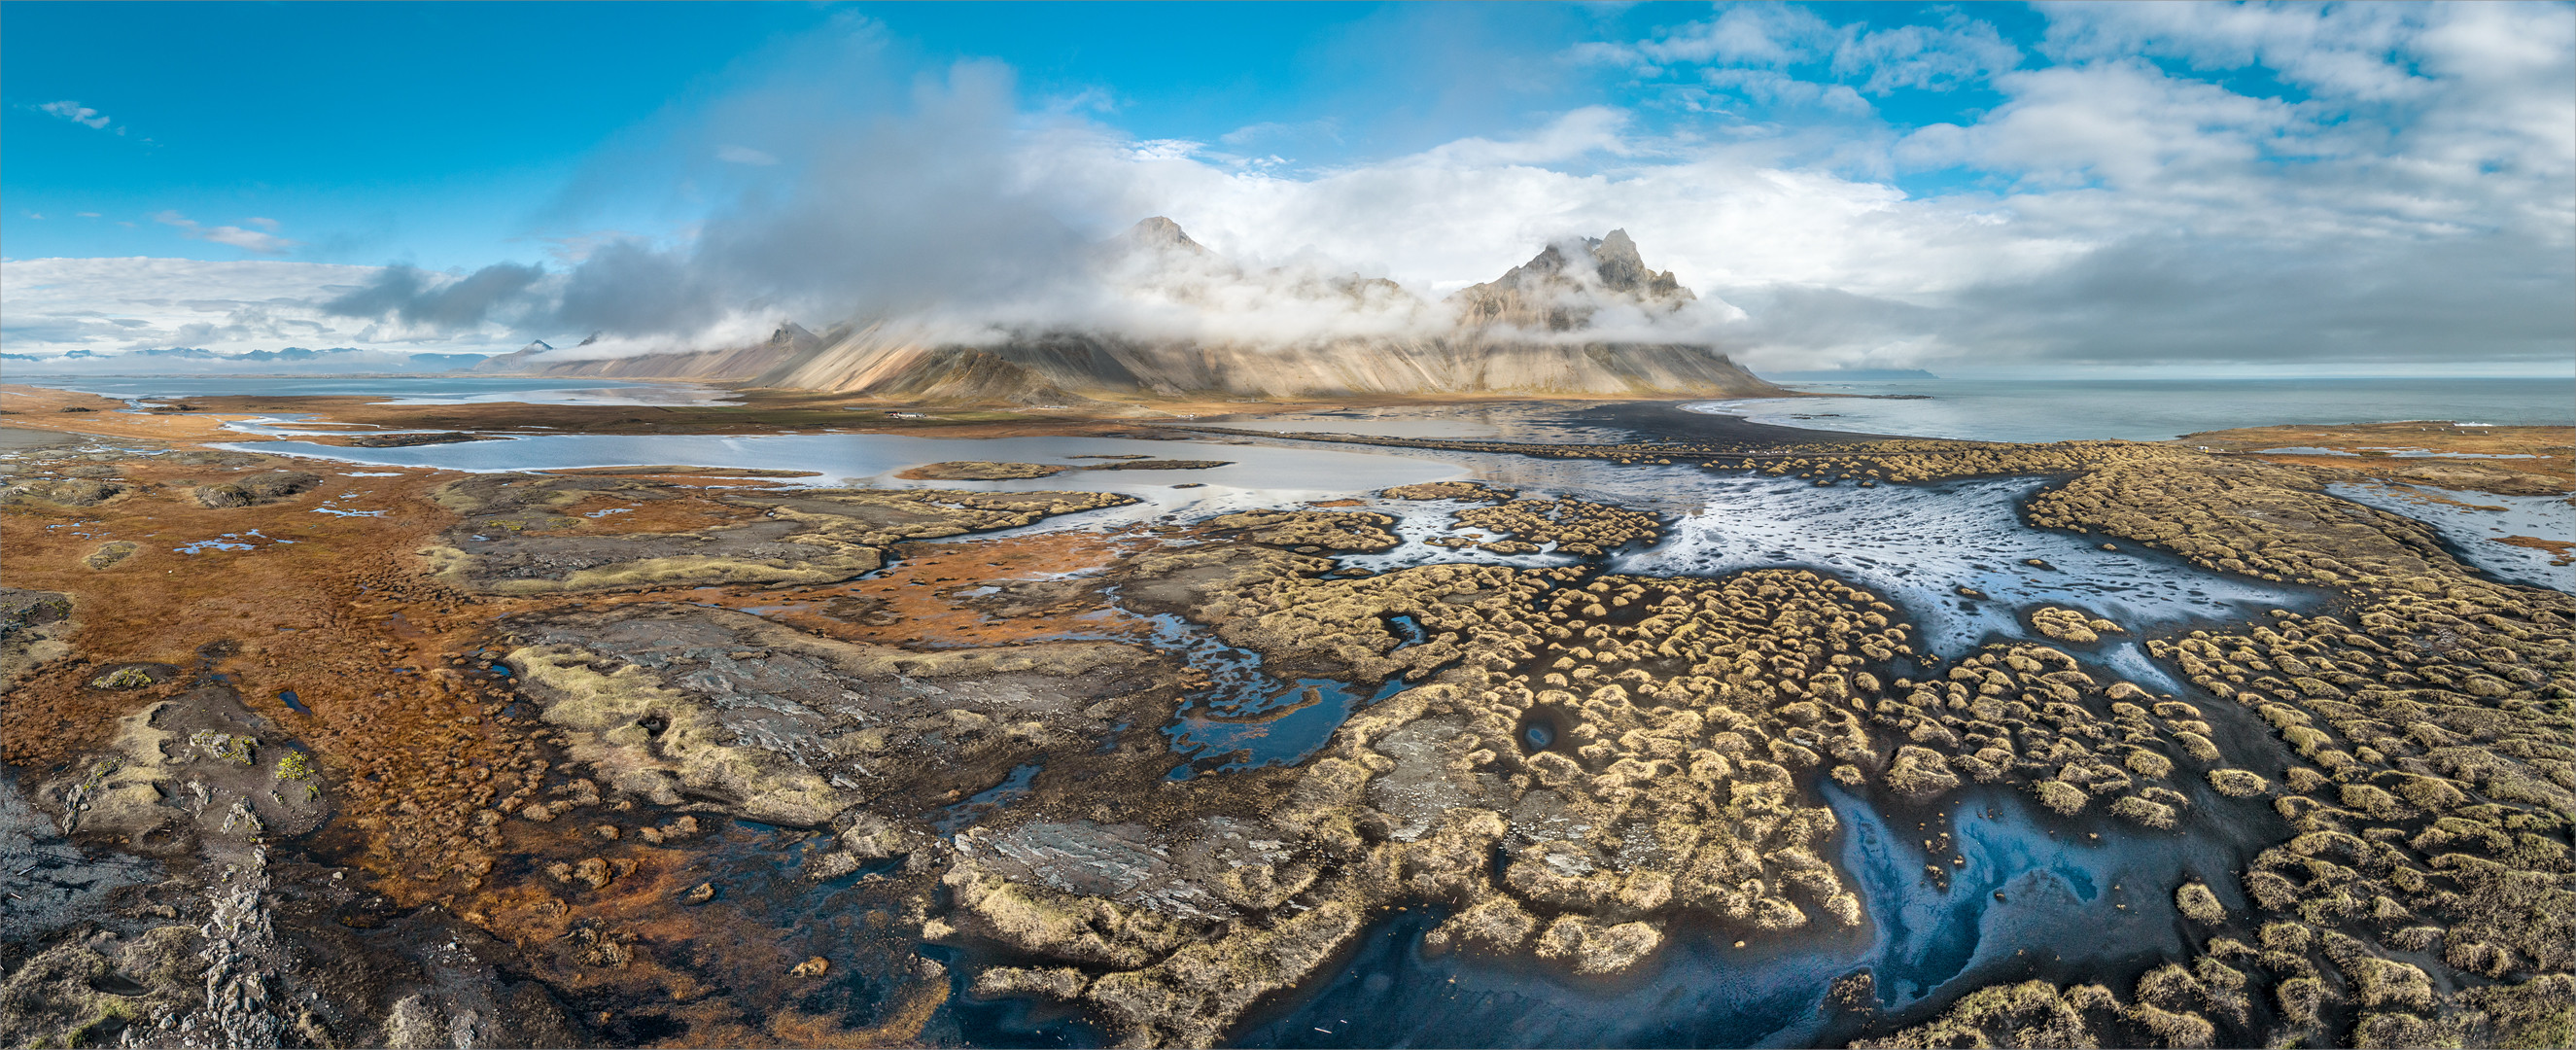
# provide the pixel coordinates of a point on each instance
(2180, 185)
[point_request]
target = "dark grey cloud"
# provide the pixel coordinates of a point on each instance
(887, 211)
(629, 288)
(2496, 297)
(419, 298)
(2183, 301)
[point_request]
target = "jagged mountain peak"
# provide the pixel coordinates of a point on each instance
(536, 346)
(792, 335)
(1616, 262)
(1160, 232)
(1565, 283)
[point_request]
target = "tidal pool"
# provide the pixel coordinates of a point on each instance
(2474, 523)
(1246, 717)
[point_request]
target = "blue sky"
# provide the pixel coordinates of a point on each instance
(1860, 183)
(441, 134)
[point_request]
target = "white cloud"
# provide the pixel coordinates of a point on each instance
(1752, 37)
(1571, 136)
(1935, 58)
(1165, 149)
(1771, 87)
(732, 154)
(104, 306)
(246, 240)
(1751, 34)
(76, 113)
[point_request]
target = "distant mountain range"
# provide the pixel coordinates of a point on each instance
(1523, 334)
(195, 359)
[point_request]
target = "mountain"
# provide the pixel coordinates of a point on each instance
(1523, 334)
(1555, 291)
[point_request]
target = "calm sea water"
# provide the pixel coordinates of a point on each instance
(2150, 410)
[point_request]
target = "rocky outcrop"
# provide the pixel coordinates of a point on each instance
(33, 625)
(65, 492)
(198, 768)
(674, 702)
(516, 539)
(256, 489)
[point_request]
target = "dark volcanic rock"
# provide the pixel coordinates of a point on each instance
(69, 492)
(255, 489)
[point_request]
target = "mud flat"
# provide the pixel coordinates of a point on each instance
(1653, 735)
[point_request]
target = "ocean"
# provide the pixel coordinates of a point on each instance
(2149, 410)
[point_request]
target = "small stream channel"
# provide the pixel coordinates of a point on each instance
(1246, 717)
(2067, 903)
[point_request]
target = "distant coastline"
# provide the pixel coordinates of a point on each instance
(2042, 410)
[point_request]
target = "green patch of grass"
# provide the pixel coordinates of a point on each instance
(123, 678)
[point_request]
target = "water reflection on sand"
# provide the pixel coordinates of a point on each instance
(1918, 545)
(2068, 903)
(874, 459)
(2474, 523)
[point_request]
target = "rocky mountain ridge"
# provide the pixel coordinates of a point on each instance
(1519, 335)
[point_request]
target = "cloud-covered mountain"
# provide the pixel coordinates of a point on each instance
(1169, 318)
